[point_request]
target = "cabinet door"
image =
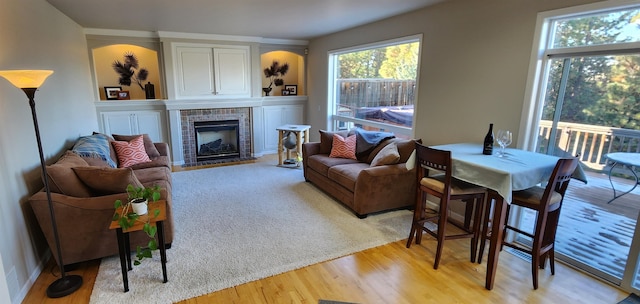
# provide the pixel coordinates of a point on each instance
(231, 71)
(133, 123)
(276, 116)
(149, 122)
(117, 123)
(195, 75)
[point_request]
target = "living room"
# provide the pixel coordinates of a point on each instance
(474, 64)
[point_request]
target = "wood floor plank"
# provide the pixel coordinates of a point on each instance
(390, 274)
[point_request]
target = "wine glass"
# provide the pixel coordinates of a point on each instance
(504, 138)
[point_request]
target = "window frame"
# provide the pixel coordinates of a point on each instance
(333, 119)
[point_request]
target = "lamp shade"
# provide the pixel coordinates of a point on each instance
(26, 78)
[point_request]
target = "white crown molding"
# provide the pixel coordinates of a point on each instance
(123, 33)
(180, 35)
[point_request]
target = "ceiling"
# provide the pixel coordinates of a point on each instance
(277, 19)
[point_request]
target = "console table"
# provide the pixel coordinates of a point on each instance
(124, 247)
(625, 159)
(301, 132)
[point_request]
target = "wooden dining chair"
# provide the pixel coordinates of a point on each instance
(547, 203)
(446, 188)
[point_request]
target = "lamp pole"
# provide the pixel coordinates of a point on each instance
(29, 81)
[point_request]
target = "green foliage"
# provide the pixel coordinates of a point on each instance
(601, 90)
(401, 62)
(151, 194)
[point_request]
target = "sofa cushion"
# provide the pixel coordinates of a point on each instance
(94, 146)
(343, 147)
(149, 147)
(326, 139)
(347, 174)
(130, 152)
(105, 181)
(387, 156)
(160, 161)
(322, 162)
(62, 179)
(148, 176)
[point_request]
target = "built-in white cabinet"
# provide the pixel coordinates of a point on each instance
(134, 122)
(276, 116)
(212, 71)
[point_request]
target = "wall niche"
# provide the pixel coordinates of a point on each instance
(294, 76)
(105, 75)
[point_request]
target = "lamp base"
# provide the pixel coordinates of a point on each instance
(64, 286)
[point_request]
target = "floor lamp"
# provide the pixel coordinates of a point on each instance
(29, 81)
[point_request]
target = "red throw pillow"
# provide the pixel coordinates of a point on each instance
(130, 153)
(343, 148)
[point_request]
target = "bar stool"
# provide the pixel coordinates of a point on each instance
(446, 188)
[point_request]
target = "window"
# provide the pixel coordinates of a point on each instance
(583, 98)
(374, 87)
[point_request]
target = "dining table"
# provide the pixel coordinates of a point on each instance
(501, 175)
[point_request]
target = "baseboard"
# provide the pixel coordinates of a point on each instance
(32, 278)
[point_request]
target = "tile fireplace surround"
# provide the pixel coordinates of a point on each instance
(188, 117)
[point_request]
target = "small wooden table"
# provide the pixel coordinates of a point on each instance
(124, 247)
(624, 159)
(302, 133)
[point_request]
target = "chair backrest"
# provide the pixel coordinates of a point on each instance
(560, 178)
(433, 159)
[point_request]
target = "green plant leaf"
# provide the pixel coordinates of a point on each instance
(153, 245)
(117, 204)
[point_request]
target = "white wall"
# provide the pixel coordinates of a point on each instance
(34, 35)
(474, 64)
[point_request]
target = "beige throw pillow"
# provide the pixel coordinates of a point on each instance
(387, 156)
(63, 180)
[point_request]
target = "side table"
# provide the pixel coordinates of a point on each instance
(302, 133)
(124, 247)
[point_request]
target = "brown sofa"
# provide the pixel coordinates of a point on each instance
(355, 183)
(84, 190)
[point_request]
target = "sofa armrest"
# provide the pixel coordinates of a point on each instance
(162, 147)
(308, 149)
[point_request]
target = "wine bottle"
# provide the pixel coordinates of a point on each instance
(487, 149)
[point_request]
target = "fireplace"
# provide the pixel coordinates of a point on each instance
(217, 139)
(205, 146)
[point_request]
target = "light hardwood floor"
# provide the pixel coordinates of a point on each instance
(389, 274)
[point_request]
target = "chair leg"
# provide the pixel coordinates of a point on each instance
(418, 214)
(552, 261)
(535, 260)
(442, 224)
(477, 218)
(485, 229)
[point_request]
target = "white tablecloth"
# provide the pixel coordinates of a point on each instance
(517, 171)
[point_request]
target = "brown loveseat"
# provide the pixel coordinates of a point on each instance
(84, 190)
(363, 188)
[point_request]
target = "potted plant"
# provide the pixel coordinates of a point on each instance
(135, 210)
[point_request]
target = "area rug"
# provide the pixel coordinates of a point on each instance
(241, 223)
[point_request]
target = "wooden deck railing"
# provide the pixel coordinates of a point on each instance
(590, 142)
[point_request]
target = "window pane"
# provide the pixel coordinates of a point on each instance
(597, 29)
(378, 84)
